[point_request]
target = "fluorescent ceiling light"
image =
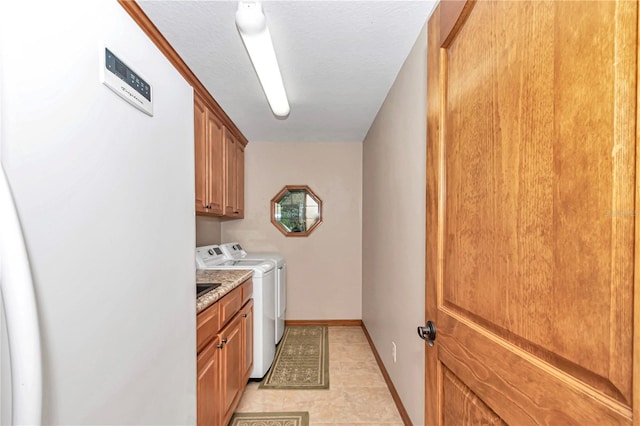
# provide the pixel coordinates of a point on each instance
(252, 26)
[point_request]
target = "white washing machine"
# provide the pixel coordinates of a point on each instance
(264, 348)
(235, 251)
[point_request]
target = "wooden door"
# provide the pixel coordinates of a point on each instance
(531, 215)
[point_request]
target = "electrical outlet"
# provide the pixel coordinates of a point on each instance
(393, 351)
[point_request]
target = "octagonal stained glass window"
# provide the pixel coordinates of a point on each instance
(296, 211)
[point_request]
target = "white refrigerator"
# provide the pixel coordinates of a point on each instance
(97, 263)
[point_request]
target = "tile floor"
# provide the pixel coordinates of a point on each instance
(357, 394)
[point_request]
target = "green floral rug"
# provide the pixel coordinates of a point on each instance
(270, 419)
(302, 360)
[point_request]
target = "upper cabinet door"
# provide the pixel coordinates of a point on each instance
(201, 155)
(532, 213)
(230, 173)
(240, 180)
(215, 138)
(234, 175)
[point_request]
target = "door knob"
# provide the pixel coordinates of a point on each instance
(428, 333)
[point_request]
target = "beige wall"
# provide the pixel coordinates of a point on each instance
(208, 231)
(393, 242)
(324, 279)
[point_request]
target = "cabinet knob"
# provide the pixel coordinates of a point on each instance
(219, 346)
(244, 315)
(224, 340)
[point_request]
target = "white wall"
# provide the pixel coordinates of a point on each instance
(324, 269)
(393, 244)
(208, 230)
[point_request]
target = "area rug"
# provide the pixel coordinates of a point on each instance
(301, 361)
(270, 419)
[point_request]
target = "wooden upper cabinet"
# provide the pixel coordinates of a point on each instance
(219, 165)
(208, 160)
(216, 177)
(201, 154)
(240, 179)
(230, 172)
(234, 173)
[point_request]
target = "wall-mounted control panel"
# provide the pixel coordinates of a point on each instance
(119, 77)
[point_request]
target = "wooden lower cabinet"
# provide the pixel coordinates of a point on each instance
(225, 362)
(208, 383)
(246, 314)
(231, 367)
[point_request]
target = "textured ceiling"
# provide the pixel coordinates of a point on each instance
(338, 60)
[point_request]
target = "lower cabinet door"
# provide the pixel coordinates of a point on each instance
(231, 365)
(247, 335)
(209, 385)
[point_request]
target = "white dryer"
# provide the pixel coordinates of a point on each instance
(264, 348)
(235, 251)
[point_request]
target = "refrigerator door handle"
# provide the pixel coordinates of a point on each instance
(21, 312)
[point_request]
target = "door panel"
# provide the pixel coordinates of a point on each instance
(463, 406)
(216, 164)
(520, 388)
(247, 333)
(231, 364)
(208, 386)
(531, 180)
(230, 167)
(239, 206)
(201, 154)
